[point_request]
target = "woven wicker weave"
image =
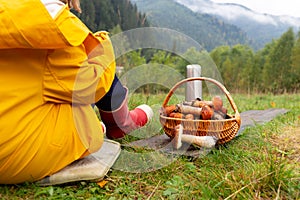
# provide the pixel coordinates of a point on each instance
(225, 130)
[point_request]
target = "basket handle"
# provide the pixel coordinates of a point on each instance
(230, 99)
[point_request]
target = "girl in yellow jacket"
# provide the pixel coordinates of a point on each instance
(52, 69)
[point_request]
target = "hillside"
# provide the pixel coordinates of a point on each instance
(260, 27)
(109, 14)
(209, 31)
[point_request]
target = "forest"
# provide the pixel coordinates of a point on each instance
(272, 69)
(109, 14)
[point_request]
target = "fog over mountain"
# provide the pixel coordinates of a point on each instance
(260, 27)
(207, 30)
(214, 24)
(232, 12)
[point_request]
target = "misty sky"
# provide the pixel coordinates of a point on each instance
(274, 7)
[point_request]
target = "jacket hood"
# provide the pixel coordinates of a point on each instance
(27, 24)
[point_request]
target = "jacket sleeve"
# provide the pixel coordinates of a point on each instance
(82, 74)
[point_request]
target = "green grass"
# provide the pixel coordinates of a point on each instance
(260, 164)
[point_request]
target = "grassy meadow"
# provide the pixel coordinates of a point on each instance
(262, 163)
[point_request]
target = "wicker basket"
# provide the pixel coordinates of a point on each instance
(224, 130)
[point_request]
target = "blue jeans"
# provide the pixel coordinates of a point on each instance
(113, 99)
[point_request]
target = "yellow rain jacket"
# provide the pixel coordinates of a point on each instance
(51, 70)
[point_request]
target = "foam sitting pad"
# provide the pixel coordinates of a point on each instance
(91, 168)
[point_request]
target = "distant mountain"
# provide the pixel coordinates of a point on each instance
(261, 28)
(208, 30)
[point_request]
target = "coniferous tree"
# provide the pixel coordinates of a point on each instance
(88, 14)
(295, 69)
(105, 18)
(260, 59)
(267, 79)
(219, 55)
(245, 79)
(227, 74)
(278, 71)
(106, 14)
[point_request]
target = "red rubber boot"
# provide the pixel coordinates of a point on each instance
(122, 121)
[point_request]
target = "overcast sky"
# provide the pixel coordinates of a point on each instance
(274, 7)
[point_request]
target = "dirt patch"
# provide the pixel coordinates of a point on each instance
(288, 145)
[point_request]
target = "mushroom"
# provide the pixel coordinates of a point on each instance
(201, 141)
(217, 103)
(207, 112)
